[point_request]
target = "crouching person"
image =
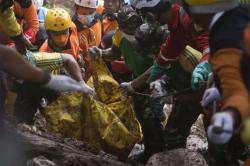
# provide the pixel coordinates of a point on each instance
(29, 95)
(228, 61)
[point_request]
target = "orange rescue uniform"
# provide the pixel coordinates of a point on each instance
(89, 37)
(74, 49)
(28, 19)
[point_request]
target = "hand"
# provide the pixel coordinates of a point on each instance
(127, 87)
(200, 75)
(221, 129)
(94, 52)
(154, 72)
(22, 43)
(210, 95)
(63, 83)
(27, 41)
(86, 89)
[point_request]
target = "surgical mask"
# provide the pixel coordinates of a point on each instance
(86, 19)
(130, 38)
(60, 40)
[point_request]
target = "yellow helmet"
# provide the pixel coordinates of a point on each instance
(57, 19)
(211, 6)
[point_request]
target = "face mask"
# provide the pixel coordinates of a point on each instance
(60, 40)
(86, 19)
(130, 38)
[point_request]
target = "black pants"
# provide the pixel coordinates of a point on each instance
(179, 124)
(150, 114)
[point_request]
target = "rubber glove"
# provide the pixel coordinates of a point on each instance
(63, 83)
(127, 87)
(87, 89)
(209, 96)
(154, 72)
(200, 75)
(221, 129)
(94, 52)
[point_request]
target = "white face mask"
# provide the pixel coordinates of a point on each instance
(86, 19)
(130, 38)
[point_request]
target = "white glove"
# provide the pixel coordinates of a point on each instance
(210, 95)
(63, 83)
(87, 89)
(127, 87)
(221, 129)
(94, 52)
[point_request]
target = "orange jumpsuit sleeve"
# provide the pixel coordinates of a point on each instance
(227, 65)
(31, 21)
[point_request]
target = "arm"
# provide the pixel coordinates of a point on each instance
(140, 81)
(72, 67)
(170, 49)
(109, 54)
(203, 46)
(12, 63)
(227, 65)
(31, 18)
(9, 23)
(55, 61)
(112, 53)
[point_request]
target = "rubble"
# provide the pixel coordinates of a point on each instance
(177, 157)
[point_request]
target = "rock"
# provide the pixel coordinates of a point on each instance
(40, 161)
(197, 140)
(177, 157)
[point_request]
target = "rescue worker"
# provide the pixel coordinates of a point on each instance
(149, 111)
(226, 20)
(108, 18)
(109, 24)
(13, 64)
(13, 14)
(41, 13)
(62, 33)
(29, 96)
(182, 33)
(89, 28)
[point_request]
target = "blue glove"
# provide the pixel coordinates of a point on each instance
(155, 71)
(221, 128)
(200, 75)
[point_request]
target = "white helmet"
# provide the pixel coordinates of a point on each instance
(87, 3)
(139, 4)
